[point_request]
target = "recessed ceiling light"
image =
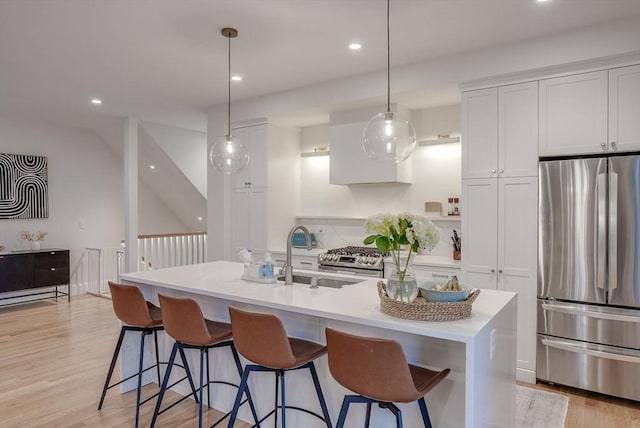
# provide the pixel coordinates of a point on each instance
(236, 78)
(200, 218)
(152, 167)
(355, 46)
(96, 101)
(542, 1)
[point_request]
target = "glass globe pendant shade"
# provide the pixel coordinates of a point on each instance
(229, 155)
(388, 137)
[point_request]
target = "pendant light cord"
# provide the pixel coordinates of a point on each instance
(388, 64)
(229, 86)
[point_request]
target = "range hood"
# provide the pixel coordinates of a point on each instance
(349, 163)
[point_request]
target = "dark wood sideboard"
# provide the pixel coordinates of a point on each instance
(32, 270)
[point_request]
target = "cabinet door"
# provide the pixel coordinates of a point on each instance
(258, 219)
(16, 272)
(518, 130)
(624, 108)
(573, 114)
(255, 140)
(479, 232)
(479, 133)
(240, 231)
(517, 256)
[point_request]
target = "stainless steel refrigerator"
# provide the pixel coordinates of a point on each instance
(588, 272)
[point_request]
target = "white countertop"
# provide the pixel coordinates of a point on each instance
(356, 303)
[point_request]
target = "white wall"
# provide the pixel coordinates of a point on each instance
(85, 183)
(436, 176)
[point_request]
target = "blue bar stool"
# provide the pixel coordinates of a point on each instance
(262, 339)
(378, 372)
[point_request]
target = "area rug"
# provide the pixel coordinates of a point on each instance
(540, 409)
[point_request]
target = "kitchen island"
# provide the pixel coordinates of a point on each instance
(480, 350)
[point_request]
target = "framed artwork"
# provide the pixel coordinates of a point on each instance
(23, 186)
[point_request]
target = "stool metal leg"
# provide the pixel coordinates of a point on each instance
(283, 401)
(236, 358)
(236, 404)
(112, 366)
(155, 340)
(142, 335)
(188, 371)
(165, 382)
(343, 411)
(208, 377)
(425, 413)
(275, 406)
(323, 404)
(202, 353)
(368, 417)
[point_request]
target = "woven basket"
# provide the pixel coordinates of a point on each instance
(423, 310)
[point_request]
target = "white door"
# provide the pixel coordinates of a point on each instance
(258, 159)
(573, 114)
(243, 177)
(517, 257)
(624, 108)
(479, 232)
(258, 221)
(518, 130)
(480, 133)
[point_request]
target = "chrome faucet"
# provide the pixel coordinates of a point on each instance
(287, 269)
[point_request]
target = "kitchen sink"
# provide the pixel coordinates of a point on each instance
(320, 281)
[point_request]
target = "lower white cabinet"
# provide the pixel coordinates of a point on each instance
(249, 211)
(499, 235)
(423, 272)
(297, 261)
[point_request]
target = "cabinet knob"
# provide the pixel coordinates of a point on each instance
(493, 171)
(501, 171)
(613, 145)
(604, 146)
(52, 269)
(499, 270)
(493, 270)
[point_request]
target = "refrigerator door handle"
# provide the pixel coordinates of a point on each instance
(601, 229)
(570, 347)
(613, 231)
(572, 310)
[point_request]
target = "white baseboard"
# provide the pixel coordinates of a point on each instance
(525, 375)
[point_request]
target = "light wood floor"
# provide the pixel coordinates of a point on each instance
(54, 358)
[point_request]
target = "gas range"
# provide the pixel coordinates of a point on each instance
(368, 261)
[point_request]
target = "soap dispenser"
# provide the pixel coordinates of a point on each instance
(267, 267)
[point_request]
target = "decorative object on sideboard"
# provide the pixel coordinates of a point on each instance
(33, 239)
(228, 154)
(23, 186)
(389, 136)
(396, 233)
(433, 209)
(442, 139)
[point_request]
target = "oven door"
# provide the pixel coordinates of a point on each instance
(371, 273)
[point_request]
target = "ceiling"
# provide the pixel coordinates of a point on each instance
(165, 60)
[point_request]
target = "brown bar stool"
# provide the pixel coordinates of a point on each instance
(184, 322)
(136, 314)
(262, 339)
(377, 370)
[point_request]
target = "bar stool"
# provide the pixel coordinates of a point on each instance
(136, 314)
(377, 370)
(262, 339)
(184, 322)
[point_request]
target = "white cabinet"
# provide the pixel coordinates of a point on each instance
(573, 114)
(249, 226)
(500, 131)
(349, 164)
(624, 108)
(255, 139)
(298, 261)
(499, 234)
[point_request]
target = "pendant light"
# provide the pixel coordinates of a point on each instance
(389, 136)
(228, 154)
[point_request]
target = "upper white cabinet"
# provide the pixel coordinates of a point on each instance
(624, 108)
(349, 164)
(500, 131)
(573, 114)
(255, 139)
(480, 133)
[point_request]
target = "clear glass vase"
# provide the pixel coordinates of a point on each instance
(402, 285)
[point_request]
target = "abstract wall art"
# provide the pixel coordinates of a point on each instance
(23, 186)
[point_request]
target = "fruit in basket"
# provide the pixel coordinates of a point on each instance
(451, 285)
